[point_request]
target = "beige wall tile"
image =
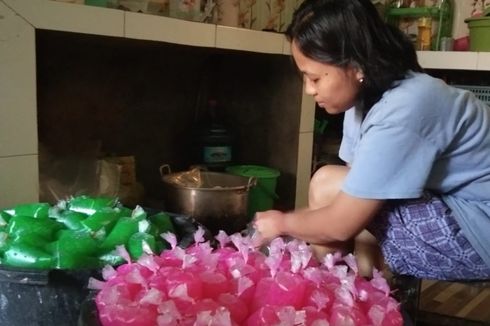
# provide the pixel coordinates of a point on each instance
(18, 180)
(304, 167)
(156, 28)
(449, 60)
(484, 60)
(307, 113)
(59, 16)
(18, 125)
(248, 40)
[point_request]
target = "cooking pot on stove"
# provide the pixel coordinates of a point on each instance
(217, 200)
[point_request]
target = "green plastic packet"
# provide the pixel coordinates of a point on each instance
(3, 242)
(71, 220)
(33, 239)
(121, 232)
(160, 244)
(110, 258)
(20, 254)
(25, 227)
(162, 222)
(140, 243)
(35, 210)
(123, 211)
(90, 205)
(139, 214)
(74, 249)
(4, 219)
(105, 217)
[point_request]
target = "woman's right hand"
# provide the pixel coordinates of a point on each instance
(269, 224)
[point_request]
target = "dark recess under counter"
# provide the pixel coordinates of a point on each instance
(109, 96)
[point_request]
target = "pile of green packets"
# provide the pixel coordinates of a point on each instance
(82, 232)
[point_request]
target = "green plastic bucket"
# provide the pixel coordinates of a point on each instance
(479, 33)
(262, 196)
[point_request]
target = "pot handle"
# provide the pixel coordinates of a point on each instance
(198, 167)
(164, 169)
(252, 182)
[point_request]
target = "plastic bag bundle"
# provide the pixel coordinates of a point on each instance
(78, 233)
(236, 284)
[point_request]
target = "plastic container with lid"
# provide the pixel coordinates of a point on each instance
(480, 32)
(263, 195)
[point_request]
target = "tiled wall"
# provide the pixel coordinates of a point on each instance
(110, 96)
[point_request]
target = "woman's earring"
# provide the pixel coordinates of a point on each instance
(361, 80)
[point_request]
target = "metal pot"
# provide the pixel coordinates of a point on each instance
(217, 200)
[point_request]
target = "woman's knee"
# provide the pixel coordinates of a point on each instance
(325, 184)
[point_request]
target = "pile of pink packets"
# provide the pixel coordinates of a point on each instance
(237, 284)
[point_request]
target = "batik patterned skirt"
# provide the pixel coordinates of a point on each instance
(420, 237)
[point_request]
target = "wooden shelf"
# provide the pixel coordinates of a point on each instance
(413, 12)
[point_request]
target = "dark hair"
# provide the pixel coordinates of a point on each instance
(351, 32)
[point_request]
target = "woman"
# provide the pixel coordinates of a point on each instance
(417, 150)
